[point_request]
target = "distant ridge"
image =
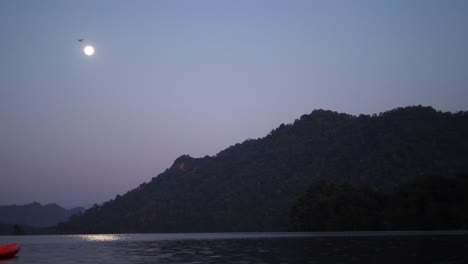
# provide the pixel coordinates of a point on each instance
(35, 214)
(252, 186)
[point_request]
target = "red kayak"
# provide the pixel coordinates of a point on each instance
(9, 251)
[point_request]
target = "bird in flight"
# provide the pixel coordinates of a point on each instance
(80, 40)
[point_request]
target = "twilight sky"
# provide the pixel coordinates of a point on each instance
(194, 77)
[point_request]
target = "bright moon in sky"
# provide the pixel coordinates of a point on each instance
(89, 50)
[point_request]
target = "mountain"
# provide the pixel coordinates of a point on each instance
(253, 185)
(35, 214)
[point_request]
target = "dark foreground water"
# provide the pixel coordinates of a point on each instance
(348, 247)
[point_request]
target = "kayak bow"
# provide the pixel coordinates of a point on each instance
(9, 251)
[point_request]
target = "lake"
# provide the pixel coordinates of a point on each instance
(323, 247)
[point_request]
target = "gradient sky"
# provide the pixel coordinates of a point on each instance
(194, 77)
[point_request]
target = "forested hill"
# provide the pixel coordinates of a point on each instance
(252, 186)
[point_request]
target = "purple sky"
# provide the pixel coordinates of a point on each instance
(194, 77)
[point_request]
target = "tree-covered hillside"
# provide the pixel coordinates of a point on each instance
(252, 186)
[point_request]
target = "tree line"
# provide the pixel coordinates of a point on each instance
(425, 203)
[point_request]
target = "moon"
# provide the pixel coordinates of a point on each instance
(88, 50)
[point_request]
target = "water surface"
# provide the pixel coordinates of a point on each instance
(339, 247)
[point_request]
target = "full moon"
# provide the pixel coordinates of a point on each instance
(89, 50)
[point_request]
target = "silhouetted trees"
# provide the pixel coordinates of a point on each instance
(331, 207)
(427, 203)
(17, 230)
